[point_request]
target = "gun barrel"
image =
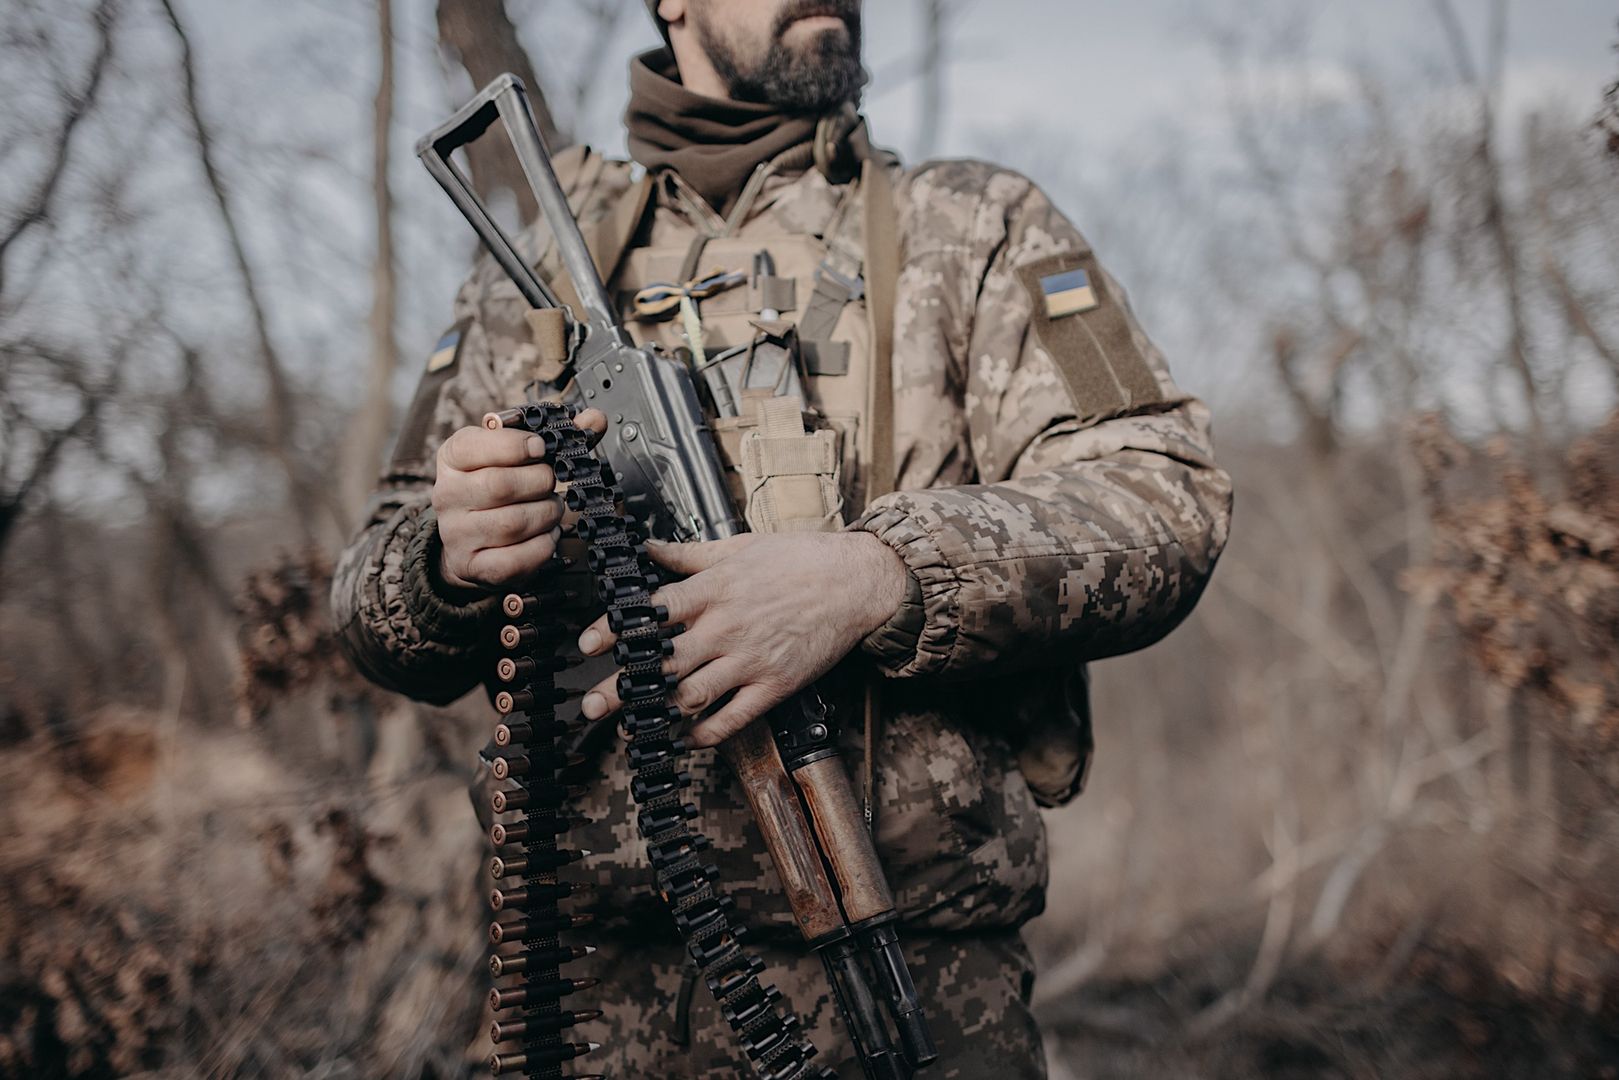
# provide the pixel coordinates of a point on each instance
(904, 1005)
(866, 1028)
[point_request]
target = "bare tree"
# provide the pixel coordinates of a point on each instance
(32, 447)
(36, 208)
(369, 432)
(282, 410)
(930, 71)
(1607, 121)
(480, 36)
(1488, 87)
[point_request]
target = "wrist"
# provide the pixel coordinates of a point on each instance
(884, 584)
(447, 584)
(440, 611)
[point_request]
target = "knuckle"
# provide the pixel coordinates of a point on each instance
(546, 549)
(452, 451)
(502, 530)
(495, 486)
(735, 633)
(475, 568)
(497, 566)
(692, 696)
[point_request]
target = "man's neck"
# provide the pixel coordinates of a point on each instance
(697, 71)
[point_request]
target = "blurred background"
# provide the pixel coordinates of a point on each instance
(1355, 819)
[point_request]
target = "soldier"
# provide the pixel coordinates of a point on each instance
(1025, 489)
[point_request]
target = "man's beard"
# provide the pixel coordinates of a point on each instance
(824, 73)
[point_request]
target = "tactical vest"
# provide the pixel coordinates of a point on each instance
(811, 460)
(810, 314)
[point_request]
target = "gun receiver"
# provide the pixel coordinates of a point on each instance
(657, 437)
(662, 463)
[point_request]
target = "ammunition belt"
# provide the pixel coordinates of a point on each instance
(531, 742)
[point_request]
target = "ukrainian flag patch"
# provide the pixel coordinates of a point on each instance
(443, 354)
(1067, 293)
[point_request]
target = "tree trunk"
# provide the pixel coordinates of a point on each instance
(282, 423)
(479, 35)
(368, 434)
(931, 82)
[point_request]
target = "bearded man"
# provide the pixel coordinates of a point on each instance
(1014, 486)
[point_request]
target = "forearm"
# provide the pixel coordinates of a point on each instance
(1099, 544)
(398, 623)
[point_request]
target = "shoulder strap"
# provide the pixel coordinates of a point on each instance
(882, 282)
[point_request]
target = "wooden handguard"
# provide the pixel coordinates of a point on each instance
(752, 754)
(835, 816)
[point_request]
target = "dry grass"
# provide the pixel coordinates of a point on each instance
(1283, 868)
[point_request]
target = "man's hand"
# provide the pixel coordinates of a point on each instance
(765, 615)
(499, 516)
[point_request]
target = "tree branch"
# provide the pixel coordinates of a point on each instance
(38, 207)
(280, 418)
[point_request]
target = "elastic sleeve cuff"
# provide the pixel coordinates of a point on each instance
(894, 642)
(918, 638)
(440, 611)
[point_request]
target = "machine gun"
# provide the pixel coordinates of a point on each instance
(657, 473)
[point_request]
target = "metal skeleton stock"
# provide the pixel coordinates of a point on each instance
(661, 476)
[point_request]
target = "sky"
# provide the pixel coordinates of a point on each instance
(1130, 89)
(1099, 102)
(1096, 101)
(1108, 71)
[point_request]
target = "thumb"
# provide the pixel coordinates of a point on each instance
(689, 559)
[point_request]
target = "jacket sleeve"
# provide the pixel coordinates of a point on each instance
(1100, 512)
(402, 626)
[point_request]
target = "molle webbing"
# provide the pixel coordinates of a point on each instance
(837, 283)
(790, 477)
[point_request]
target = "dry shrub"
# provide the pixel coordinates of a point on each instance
(1531, 569)
(197, 901)
(285, 638)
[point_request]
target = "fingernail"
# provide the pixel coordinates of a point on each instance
(589, 642)
(535, 446)
(594, 706)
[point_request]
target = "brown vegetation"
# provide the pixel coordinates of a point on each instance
(1356, 819)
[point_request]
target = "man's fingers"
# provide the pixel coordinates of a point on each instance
(750, 703)
(494, 487)
(684, 600)
(696, 557)
(708, 684)
(692, 651)
(505, 526)
(593, 421)
(601, 699)
(479, 448)
(497, 566)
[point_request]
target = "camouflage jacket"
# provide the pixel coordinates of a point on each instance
(1057, 501)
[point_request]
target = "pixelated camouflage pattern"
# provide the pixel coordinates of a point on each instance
(1037, 538)
(657, 1022)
